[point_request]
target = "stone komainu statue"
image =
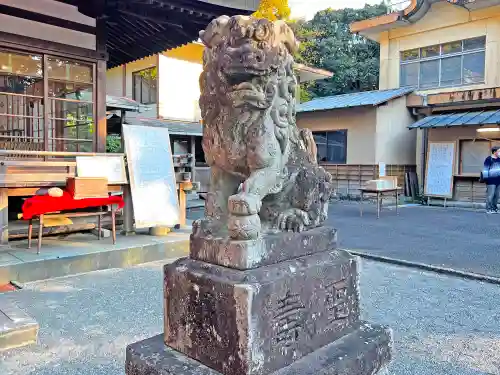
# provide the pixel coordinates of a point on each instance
(264, 172)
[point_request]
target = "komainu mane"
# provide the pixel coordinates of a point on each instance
(264, 172)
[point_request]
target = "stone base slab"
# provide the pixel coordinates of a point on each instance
(363, 352)
(257, 321)
(269, 249)
(16, 327)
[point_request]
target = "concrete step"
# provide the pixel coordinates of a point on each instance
(80, 253)
(16, 327)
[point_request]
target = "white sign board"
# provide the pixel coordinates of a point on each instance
(110, 166)
(152, 176)
(381, 169)
(439, 171)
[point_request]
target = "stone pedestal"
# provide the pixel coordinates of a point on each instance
(284, 304)
(17, 328)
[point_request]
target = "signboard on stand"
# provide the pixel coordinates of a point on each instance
(440, 169)
(152, 176)
(110, 166)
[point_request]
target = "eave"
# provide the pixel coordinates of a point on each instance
(307, 73)
(415, 11)
(135, 29)
(454, 100)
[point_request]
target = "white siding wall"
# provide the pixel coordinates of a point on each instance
(20, 26)
(179, 89)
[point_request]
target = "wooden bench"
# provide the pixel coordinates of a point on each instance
(44, 206)
(99, 215)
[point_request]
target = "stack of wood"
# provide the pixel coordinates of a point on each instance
(411, 185)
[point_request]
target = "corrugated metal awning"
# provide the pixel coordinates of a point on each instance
(174, 127)
(477, 118)
(123, 103)
(357, 99)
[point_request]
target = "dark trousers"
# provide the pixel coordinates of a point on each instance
(492, 194)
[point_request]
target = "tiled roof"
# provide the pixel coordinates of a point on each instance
(174, 127)
(358, 99)
(121, 102)
(459, 119)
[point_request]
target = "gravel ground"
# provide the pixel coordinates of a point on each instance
(442, 325)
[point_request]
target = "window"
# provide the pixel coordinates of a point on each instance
(444, 65)
(332, 146)
(144, 85)
(58, 119)
(71, 120)
(473, 153)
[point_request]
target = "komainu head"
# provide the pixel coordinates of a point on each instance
(243, 58)
(250, 46)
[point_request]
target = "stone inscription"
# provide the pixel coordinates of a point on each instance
(337, 301)
(289, 319)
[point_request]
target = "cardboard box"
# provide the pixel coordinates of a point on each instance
(87, 187)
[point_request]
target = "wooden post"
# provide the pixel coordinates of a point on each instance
(193, 162)
(472, 195)
(101, 120)
(182, 204)
(100, 80)
(46, 107)
(4, 217)
(128, 212)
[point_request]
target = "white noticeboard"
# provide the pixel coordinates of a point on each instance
(111, 167)
(439, 170)
(152, 176)
(381, 169)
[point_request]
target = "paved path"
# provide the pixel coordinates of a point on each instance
(460, 239)
(442, 325)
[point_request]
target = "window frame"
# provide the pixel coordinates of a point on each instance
(327, 132)
(442, 55)
(491, 142)
(134, 83)
(46, 98)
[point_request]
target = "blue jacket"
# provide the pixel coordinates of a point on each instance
(492, 169)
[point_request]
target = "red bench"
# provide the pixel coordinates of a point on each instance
(40, 206)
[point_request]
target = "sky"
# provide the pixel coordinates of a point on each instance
(308, 8)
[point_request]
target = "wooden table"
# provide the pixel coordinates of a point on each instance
(380, 195)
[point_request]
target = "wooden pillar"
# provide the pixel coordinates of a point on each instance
(100, 111)
(101, 130)
(46, 106)
(4, 217)
(124, 82)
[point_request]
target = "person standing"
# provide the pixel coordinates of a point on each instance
(492, 169)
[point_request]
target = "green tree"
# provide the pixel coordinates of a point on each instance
(273, 10)
(327, 43)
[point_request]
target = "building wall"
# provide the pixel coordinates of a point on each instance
(360, 124)
(116, 85)
(178, 83)
(443, 23)
(394, 142)
(114, 81)
(151, 110)
(179, 93)
(27, 28)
